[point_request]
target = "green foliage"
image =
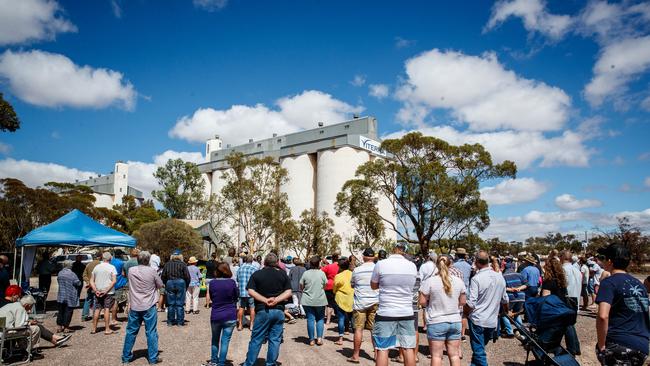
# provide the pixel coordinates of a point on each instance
(8, 119)
(357, 201)
(130, 215)
(252, 197)
(316, 235)
(182, 189)
(433, 186)
(164, 236)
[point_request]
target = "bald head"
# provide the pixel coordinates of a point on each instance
(482, 259)
(4, 260)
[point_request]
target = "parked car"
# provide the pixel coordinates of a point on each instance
(59, 259)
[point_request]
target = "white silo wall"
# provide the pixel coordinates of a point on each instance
(386, 211)
(334, 168)
(217, 182)
(300, 188)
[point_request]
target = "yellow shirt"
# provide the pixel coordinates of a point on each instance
(343, 292)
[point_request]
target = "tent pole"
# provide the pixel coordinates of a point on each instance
(22, 258)
(14, 262)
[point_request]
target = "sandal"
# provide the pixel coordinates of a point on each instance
(312, 343)
(319, 342)
(352, 360)
(110, 332)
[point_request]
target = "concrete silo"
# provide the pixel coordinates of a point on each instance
(301, 187)
(334, 168)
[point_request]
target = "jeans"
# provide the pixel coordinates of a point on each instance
(479, 338)
(268, 323)
(175, 293)
(192, 298)
(571, 337)
(531, 292)
(343, 320)
(64, 315)
(88, 303)
(507, 326)
(150, 318)
(221, 333)
(296, 297)
(315, 314)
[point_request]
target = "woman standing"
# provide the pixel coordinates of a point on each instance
(344, 297)
(313, 283)
(68, 297)
(194, 289)
(442, 295)
(222, 294)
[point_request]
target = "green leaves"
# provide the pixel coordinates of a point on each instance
(8, 119)
(182, 189)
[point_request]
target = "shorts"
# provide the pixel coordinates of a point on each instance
(246, 303)
(329, 294)
(444, 331)
(104, 302)
(584, 291)
(591, 286)
(122, 295)
(391, 334)
(365, 318)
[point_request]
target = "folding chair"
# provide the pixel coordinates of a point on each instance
(541, 351)
(15, 342)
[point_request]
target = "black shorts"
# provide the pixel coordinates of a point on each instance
(583, 290)
(104, 302)
(329, 294)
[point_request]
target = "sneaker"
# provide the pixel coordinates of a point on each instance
(158, 360)
(209, 364)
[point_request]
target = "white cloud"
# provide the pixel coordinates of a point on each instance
(534, 15)
(513, 191)
(538, 223)
(525, 148)
(611, 21)
(31, 20)
(403, 42)
(378, 91)
(239, 123)
(4, 148)
(358, 80)
(478, 90)
(646, 182)
(210, 5)
(645, 104)
(34, 173)
(569, 202)
(116, 8)
(53, 80)
(618, 64)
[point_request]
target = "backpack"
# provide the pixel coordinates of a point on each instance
(549, 311)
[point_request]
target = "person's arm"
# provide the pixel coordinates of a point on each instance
(186, 276)
(157, 280)
(374, 279)
(259, 297)
(113, 281)
(462, 299)
(470, 304)
(602, 323)
(423, 299)
(92, 282)
(208, 301)
(546, 293)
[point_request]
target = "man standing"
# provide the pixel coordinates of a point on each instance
(4, 273)
(295, 273)
(584, 289)
(515, 287)
(531, 276)
(176, 278)
(271, 288)
(121, 289)
(428, 268)
(486, 295)
(246, 302)
(463, 265)
(90, 294)
(331, 270)
(102, 281)
(78, 269)
(574, 287)
(365, 301)
(144, 283)
(394, 327)
(623, 323)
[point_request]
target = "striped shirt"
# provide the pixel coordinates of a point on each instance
(243, 276)
(396, 278)
(175, 270)
(364, 296)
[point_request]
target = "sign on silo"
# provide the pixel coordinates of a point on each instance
(371, 145)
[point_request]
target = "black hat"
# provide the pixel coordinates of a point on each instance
(382, 254)
(368, 252)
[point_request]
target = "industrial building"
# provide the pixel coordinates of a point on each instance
(319, 161)
(110, 189)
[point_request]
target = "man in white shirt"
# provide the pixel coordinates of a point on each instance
(394, 277)
(486, 295)
(574, 287)
(365, 300)
(102, 281)
(16, 315)
(584, 291)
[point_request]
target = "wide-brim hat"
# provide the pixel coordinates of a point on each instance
(192, 260)
(530, 259)
(461, 251)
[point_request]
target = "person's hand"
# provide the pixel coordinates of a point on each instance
(270, 301)
(99, 294)
(33, 322)
(515, 289)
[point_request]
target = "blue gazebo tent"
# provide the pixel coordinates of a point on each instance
(72, 229)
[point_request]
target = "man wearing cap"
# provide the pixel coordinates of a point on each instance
(176, 278)
(463, 265)
(364, 307)
(531, 275)
(194, 287)
(487, 294)
(623, 323)
(394, 277)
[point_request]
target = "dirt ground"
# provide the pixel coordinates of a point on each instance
(190, 345)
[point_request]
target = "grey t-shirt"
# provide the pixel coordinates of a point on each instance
(313, 293)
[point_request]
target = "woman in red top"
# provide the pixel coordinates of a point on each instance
(331, 270)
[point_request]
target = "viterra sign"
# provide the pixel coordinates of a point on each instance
(371, 145)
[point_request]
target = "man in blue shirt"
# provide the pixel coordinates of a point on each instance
(531, 276)
(121, 289)
(515, 287)
(463, 266)
(623, 323)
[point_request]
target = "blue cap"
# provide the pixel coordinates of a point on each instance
(289, 257)
(176, 252)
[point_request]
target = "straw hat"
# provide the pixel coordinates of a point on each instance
(461, 251)
(192, 260)
(530, 259)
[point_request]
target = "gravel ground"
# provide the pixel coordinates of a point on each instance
(190, 345)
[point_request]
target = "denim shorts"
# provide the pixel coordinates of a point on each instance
(246, 302)
(390, 334)
(444, 331)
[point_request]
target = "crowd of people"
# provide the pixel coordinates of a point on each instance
(479, 297)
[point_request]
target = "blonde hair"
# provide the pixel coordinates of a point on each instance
(443, 271)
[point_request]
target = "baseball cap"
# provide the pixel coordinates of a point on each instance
(368, 252)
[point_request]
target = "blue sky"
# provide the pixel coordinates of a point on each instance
(560, 87)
